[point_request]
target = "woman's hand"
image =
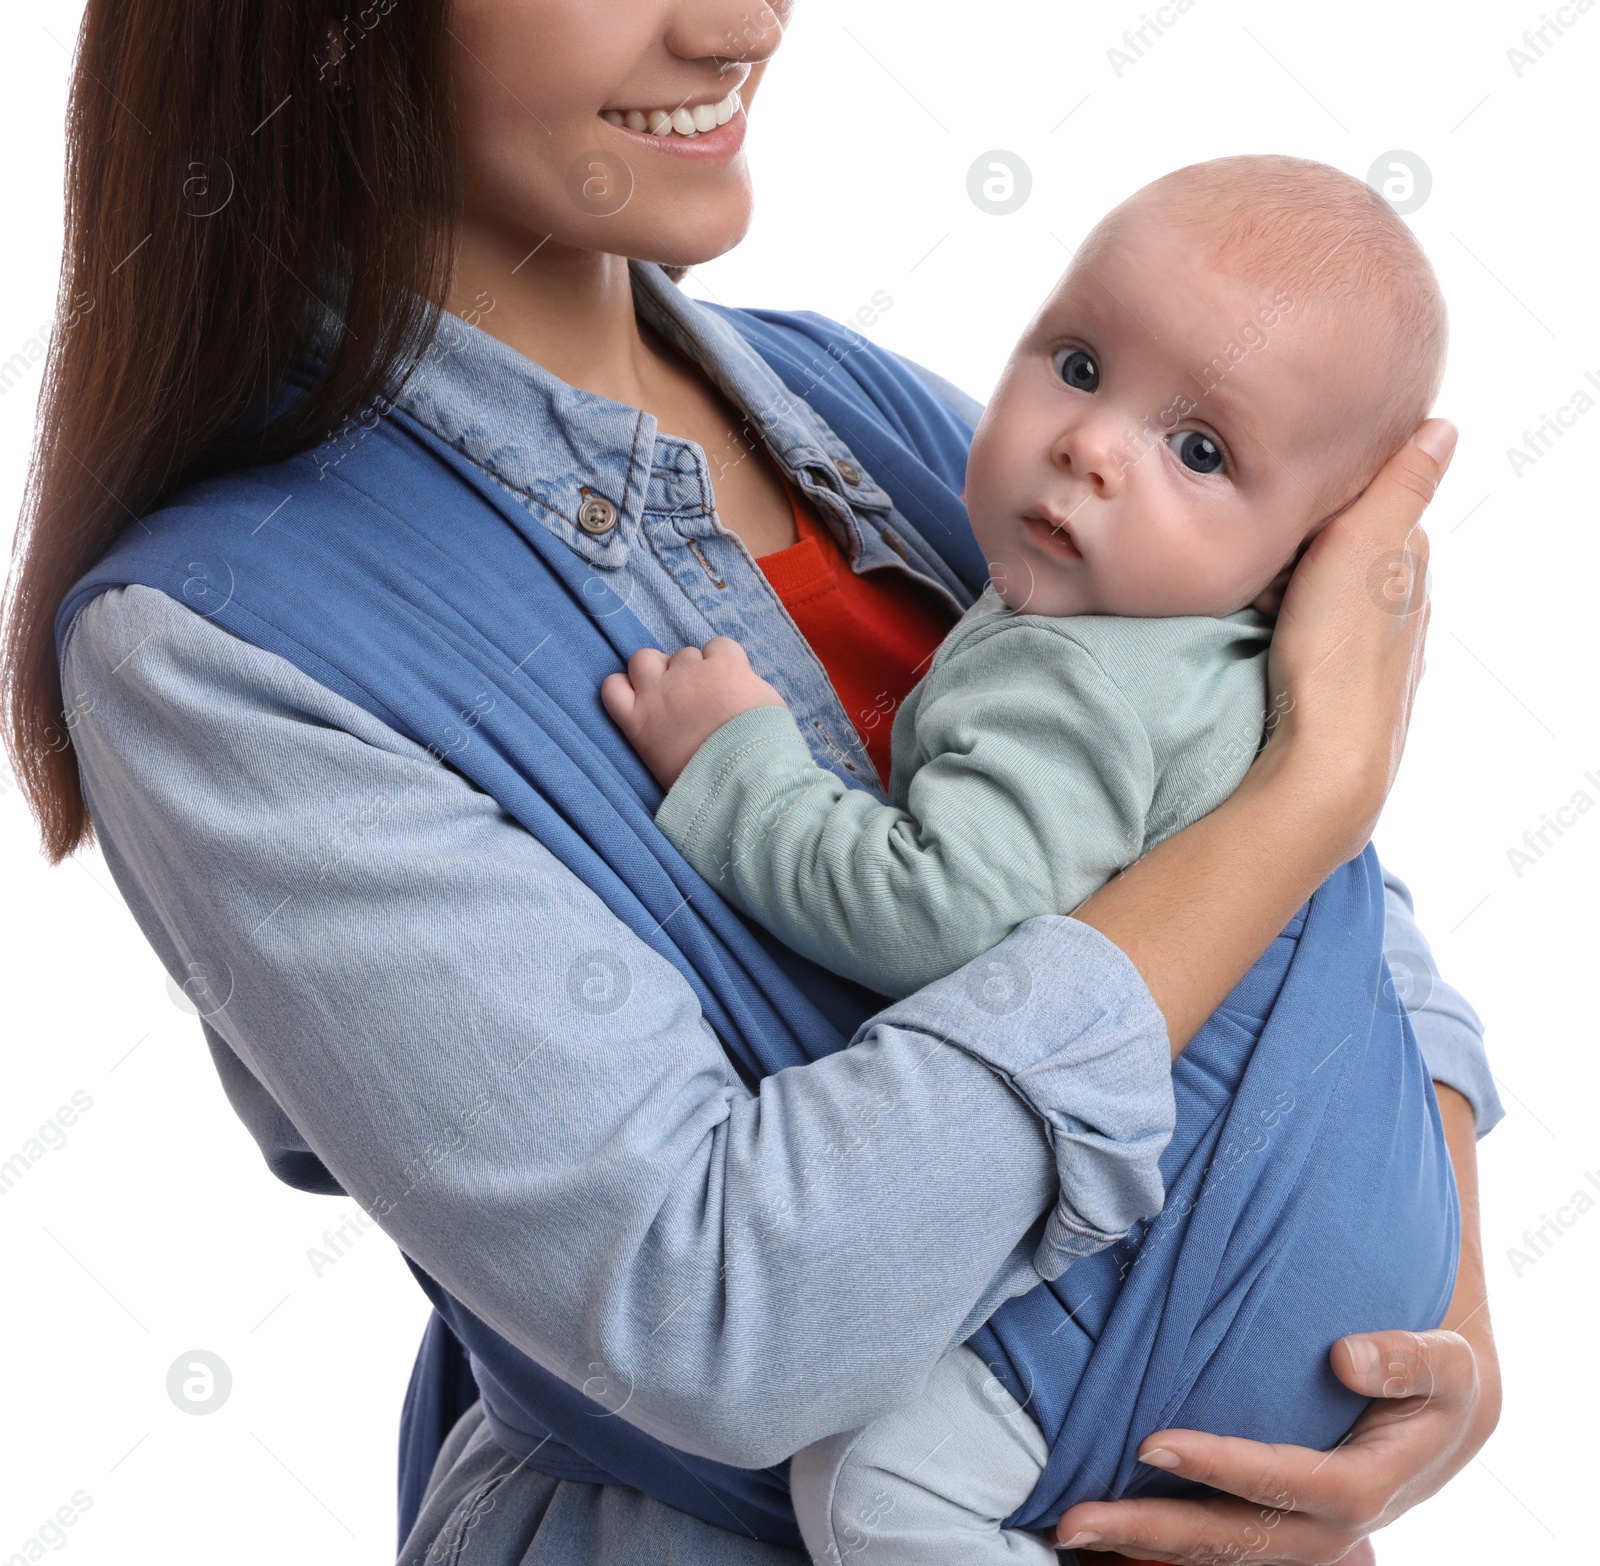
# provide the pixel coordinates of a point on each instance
(1292, 1505)
(1348, 649)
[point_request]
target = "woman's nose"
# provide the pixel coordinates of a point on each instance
(727, 29)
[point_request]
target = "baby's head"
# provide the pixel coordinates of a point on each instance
(1230, 357)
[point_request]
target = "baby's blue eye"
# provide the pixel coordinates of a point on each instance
(1197, 452)
(1079, 370)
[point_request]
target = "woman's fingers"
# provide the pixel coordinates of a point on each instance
(1256, 1471)
(1385, 520)
(1406, 1364)
(1203, 1533)
(1289, 1503)
(1270, 597)
(1347, 649)
(1390, 505)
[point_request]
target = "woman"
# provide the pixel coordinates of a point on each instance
(413, 998)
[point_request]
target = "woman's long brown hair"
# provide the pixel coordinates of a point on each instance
(229, 164)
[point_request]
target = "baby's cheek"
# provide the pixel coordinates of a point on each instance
(1199, 572)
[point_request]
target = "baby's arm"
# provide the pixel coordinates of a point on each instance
(1035, 791)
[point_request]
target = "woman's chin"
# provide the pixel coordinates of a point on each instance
(693, 235)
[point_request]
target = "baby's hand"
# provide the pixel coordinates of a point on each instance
(667, 708)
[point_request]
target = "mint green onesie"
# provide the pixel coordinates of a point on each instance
(1036, 758)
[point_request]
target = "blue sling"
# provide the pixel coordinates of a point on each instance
(1309, 1189)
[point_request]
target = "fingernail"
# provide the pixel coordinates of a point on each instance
(1080, 1541)
(1160, 1457)
(1438, 438)
(1365, 1359)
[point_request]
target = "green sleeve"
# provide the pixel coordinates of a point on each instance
(1038, 780)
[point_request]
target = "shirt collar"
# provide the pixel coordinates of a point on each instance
(557, 445)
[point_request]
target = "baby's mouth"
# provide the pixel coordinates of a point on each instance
(1054, 537)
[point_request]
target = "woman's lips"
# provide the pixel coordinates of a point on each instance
(1052, 537)
(705, 146)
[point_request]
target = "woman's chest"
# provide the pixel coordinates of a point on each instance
(746, 491)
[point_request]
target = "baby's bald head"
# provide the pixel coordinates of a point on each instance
(1334, 245)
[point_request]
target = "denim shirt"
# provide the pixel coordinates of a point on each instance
(383, 936)
(668, 558)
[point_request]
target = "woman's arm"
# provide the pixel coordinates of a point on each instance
(1197, 911)
(527, 1096)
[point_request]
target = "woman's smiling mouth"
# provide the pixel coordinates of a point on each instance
(697, 120)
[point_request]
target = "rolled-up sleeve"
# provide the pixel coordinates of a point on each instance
(528, 1097)
(1448, 1030)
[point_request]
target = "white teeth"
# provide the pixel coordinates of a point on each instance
(677, 122)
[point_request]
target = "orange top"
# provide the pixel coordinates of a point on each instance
(874, 633)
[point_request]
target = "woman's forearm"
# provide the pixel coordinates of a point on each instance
(1469, 1306)
(1197, 911)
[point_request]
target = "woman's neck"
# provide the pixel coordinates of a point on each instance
(570, 311)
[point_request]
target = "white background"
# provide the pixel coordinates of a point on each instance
(156, 1229)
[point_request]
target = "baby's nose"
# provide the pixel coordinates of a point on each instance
(1093, 452)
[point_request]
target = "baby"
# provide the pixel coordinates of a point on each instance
(1230, 357)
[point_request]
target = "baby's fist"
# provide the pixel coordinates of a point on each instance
(667, 708)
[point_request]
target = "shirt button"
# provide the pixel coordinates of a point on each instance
(849, 472)
(597, 515)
